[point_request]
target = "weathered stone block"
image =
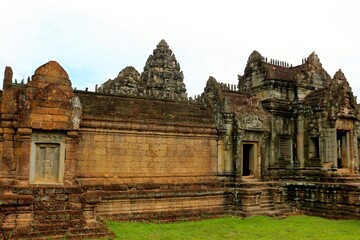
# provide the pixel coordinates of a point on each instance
(25, 199)
(93, 198)
(8, 199)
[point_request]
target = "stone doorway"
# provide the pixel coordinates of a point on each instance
(343, 150)
(248, 159)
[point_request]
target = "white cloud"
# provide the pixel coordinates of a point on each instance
(94, 40)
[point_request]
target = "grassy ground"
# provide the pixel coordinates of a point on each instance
(295, 227)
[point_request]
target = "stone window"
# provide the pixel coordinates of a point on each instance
(47, 158)
(285, 147)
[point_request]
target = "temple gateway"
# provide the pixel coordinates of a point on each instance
(284, 139)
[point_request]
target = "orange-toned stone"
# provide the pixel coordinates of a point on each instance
(52, 69)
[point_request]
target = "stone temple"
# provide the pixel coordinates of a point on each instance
(284, 140)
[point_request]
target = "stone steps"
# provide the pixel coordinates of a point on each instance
(257, 197)
(58, 214)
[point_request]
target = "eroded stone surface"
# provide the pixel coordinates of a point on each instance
(54, 73)
(126, 83)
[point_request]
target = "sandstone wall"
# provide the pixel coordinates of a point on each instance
(141, 140)
(161, 204)
(331, 200)
(142, 157)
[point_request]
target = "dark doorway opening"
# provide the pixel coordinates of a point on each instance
(247, 159)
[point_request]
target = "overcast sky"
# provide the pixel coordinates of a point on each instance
(94, 40)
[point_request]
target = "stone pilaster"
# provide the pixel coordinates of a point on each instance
(300, 141)
(23, 150)
(228, 144)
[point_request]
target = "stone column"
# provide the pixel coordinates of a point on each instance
(355, 161)
(228, 144)
(24, 139)
(348, 155)
(9, 150)
(239, 152)
(70, 158)
(271, 152)
(2, 164)
(220, 146)
(330, 147)
(264, 160)
(300, 140)
(257, 160)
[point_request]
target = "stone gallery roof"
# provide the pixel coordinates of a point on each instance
(144, 110)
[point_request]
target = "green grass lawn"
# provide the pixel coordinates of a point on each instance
(295, 227)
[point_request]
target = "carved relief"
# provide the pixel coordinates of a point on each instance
(51, 92)
(252, 121)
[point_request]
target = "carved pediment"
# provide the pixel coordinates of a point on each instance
(253, 121)
(52, 92)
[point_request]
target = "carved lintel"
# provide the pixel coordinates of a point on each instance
(48, 137)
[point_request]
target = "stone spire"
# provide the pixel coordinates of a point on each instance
(314, 60)
(127, 82)
(255, 56)
(339, 75)
(162, 75)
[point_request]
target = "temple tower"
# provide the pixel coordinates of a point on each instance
(162, 75)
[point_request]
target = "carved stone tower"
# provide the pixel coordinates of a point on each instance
(127, 82)
(162, 75)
